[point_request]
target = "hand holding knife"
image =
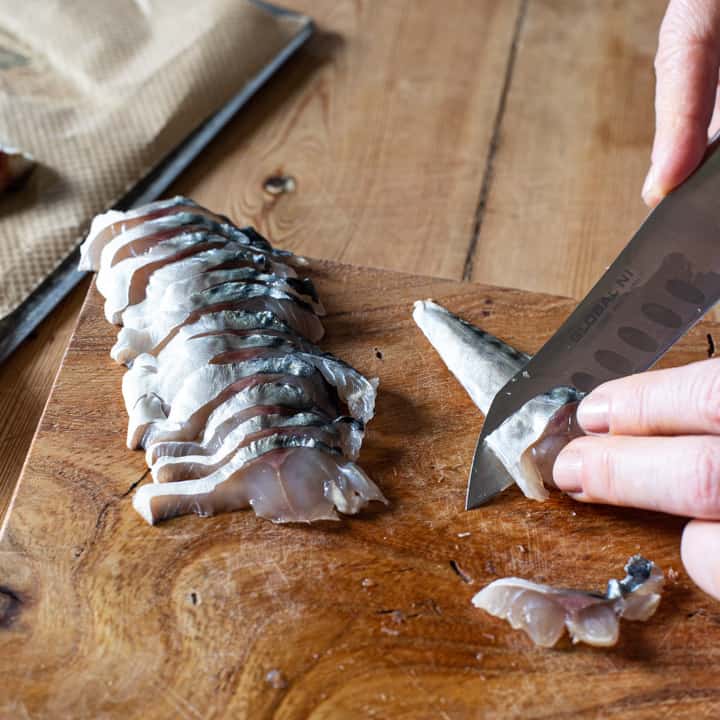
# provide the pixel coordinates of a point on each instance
(661, 284)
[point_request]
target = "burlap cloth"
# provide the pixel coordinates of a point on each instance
(99, 91)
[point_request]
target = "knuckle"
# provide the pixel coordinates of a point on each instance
(600, 479)
(705, 494)
(642, 399)
(707, 394)
(680, 48)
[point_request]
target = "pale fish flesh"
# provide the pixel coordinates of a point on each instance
(112, 223)
(232, 402)
(545, 612)
(527, 442)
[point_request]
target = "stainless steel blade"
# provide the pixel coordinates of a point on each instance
(661, 284)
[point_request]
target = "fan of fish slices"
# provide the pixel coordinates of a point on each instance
(226, 392)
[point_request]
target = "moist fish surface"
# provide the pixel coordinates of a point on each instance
(545, 612)
(233, 403)
(284, 479)
(527, 442)
(152, 420)
(284, 394)
(248, 298)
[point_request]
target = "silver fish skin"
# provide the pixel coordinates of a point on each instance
(250, 298)
(545, 612)
(292, 394)
(125, 285)
(124, 351)
(203, 390)
(226, 392)
(345, 433)
(189, 274)
(182, 356)
(141, 238)
(107, 225)
(527, 442)
(481, 362)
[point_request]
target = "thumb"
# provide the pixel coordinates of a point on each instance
(686, 69)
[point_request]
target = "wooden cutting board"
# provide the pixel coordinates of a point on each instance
(103, 616)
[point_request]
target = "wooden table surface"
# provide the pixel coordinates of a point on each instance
(503, 141)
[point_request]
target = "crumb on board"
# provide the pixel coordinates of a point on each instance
(276, 679)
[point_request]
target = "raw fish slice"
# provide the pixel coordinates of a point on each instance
(125, 297)
(152, 420)
(228, 320)
(163, 380)
(234, 321)
(526, 443)
(15, 167)
(208, 386)
(126, 283)
(213, 288)
(178, 294)
(344, 433)
(107, 225)
(142, 238)
(544, 612)
(310, 392)
(182, 356)
(250, 299)
(209, 445)
(481, 362)
(184, 271)
(283, 479)
(288, 394)
(530, 439)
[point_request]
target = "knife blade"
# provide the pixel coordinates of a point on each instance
(661, 284)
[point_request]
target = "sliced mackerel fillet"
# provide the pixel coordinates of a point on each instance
(248, 300)
(226, 391)
(284, 479)
(166, 372)
(344, 433)
(545, 612)
(288, 394)
(152, 421)
(108, 225)
(183, 275)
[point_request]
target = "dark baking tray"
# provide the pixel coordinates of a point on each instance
(16, 326)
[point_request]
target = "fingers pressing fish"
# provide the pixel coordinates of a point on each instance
(528, 442)
(545, 612)
(232, 402)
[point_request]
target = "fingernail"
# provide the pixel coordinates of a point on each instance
(651, 193)
(593, 414)
(567, 471)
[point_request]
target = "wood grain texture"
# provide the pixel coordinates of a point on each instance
(103, 616)
(384, 138)
(25, 383)
(383, 121)
(574, 146)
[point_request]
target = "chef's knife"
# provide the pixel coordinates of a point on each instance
(662, 283)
